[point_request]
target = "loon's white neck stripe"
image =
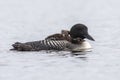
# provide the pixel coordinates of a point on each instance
(84, 46)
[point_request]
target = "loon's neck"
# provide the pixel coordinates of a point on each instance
(84, 46)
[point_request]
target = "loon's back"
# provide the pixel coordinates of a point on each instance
(41, 45)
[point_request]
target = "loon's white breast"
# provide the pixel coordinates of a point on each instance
(84, 46)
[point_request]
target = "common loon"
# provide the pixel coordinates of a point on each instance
(66, 40)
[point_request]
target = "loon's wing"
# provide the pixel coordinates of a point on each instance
(41, 45)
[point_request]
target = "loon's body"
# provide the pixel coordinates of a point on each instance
(60, 45)
(41, 45)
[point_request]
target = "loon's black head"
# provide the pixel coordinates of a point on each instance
(80, 31)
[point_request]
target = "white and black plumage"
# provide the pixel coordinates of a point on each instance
(52, 42)
(42, 45)
(63, 41)
(60, 45)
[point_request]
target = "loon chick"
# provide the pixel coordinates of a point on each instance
(80, 31)
(64, 35)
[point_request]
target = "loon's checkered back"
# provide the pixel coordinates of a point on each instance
(42, 45)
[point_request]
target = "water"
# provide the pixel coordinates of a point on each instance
(31, 20)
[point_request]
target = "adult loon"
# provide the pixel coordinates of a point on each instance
(72, 40)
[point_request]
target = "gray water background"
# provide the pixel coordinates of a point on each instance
(29, 20)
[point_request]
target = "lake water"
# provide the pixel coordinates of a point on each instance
(31, 20)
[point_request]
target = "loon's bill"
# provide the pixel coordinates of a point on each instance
(89, 37)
